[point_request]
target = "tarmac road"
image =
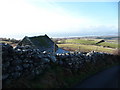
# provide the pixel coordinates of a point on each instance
(109, 78)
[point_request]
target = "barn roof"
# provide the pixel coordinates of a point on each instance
(43, 42)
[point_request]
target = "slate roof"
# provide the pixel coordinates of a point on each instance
(43, 42)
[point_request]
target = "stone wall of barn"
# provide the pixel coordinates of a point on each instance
(24, 61)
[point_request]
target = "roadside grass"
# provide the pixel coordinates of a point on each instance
(86, 48)
(91, 42)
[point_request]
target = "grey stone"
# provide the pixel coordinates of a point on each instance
(26, 65)
(18, 68)
(16, 62)
(6, 65)
(37, 72)
(19, 52)
(15, 75)
(70, 64)
(5, 76)
(7, 49)
(35, 64)
(11, 69)
(25, 61)
(53, 59)
(45, 60)
(30, 65)
(61, 62)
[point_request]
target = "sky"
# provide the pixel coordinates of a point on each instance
(21, 18)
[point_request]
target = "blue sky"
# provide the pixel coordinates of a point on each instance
(21, 18)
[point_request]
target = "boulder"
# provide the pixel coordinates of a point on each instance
(15, 75)
(18, 68)
(45, 60)
(5, 76)
(26, 66)
(16, 62)
(53, 59)
(6, 65)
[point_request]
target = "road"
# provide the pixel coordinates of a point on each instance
(109, 78)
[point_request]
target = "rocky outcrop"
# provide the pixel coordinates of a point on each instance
(28, 62)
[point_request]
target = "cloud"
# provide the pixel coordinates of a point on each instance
(19, 17)
(78, 0)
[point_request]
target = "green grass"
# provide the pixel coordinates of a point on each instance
(91, 42)
(112, 45)
(86, 48)
(81, 41)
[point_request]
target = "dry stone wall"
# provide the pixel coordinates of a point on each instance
(23, 61)
(28, 62)
(75, 61)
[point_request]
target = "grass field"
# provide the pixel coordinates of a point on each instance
(107, 44)
(86, 48)
(5, 42)
(91, 42)
(81, 41)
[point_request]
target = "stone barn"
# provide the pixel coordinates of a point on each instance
(43, 43)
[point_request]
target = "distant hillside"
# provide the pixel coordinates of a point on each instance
(92, 37)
